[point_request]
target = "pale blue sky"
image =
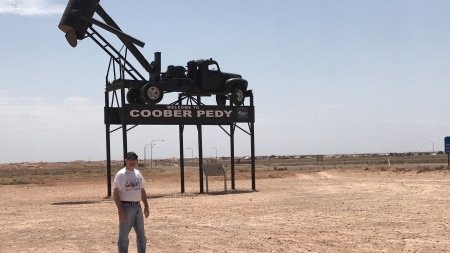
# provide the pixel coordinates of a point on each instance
(328, 76)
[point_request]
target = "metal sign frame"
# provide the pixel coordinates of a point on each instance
(187, 110)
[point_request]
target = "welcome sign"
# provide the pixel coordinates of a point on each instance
(179, 114)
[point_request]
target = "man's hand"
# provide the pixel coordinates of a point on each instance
(122, 216)
(144, 200)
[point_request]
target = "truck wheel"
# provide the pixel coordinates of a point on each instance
(151, 93)
(221, 100)
(134, 96)
(237, 95)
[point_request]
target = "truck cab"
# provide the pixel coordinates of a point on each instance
(208, 77)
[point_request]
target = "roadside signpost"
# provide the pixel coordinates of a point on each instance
(447, 149)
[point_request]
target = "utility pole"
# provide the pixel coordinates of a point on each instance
(151, 152)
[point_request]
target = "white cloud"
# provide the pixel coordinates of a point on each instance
(30, 7)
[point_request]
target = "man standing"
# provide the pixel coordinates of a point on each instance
(129, 190)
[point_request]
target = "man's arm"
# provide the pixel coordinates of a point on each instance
(144, 199)
(118, 202)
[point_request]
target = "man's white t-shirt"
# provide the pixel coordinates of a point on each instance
(129, 184)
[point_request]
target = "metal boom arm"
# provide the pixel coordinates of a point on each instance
(77, 19)
(127, 40)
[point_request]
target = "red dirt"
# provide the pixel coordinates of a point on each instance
(340, 210)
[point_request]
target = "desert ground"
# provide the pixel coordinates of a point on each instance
(294, 209)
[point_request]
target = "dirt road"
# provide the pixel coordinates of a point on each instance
(351, 210)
